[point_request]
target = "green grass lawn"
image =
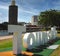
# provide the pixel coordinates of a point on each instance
(5, 44)
(46, 52)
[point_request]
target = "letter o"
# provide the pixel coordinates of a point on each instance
(26, 40)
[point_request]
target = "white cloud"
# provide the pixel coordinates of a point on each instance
(3, 7)
(28, 10)
(3, 19)
(0, 14)
(20, 9)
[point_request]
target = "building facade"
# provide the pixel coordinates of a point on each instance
(13, 13)
(34, 20)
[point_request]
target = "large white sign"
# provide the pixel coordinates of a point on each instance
(30, 39)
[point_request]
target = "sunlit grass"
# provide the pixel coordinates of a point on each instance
(58, 35)
(56, 52)
(7, 43)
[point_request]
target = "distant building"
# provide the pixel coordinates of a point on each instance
(34, 20)
(13, 13)
(32, 28)
(23, 23)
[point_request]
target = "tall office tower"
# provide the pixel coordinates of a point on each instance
(34, 20)
(13, 13)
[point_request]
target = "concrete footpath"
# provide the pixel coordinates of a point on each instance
(5, 37)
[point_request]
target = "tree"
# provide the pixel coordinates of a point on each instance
(50, 18)
(4, 25)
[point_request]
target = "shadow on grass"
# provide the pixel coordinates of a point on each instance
(37, 55)
(37, 49)
(34, 50)
(21, 55)
(28, 55)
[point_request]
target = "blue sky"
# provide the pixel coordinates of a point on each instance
(27, 8)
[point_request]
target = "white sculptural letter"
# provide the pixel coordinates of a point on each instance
(29, 40)
(17, 37)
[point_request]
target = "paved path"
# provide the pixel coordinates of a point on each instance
(5, 37)
(53, 47)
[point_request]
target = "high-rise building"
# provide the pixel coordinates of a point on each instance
(34, 20)
(13, 13)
